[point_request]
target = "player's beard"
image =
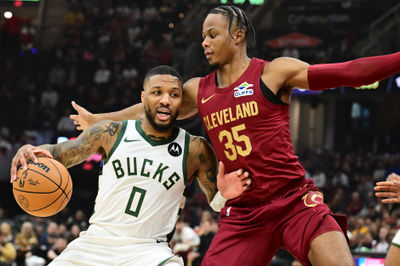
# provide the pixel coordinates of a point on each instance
(160, 127)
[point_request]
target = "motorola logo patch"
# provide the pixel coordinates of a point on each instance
(174, 149)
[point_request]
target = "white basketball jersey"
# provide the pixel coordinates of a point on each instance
(141, 184)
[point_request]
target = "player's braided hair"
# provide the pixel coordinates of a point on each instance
(242, 21)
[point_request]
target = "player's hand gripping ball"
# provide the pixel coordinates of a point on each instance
(44, 189)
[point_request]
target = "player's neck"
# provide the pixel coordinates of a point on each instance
(154, 134)
(229, 72)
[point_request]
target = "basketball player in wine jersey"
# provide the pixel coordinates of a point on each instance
(147, 165)
(244, 106)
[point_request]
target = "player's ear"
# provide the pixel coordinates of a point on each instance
(239, 36)
(142, 95)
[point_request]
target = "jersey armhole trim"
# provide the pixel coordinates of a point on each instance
(269, 95)
(117, 141)
(164, 261)
(395, 244)
(185, 155)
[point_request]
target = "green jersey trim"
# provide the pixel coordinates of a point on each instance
(185, 155)
(152, 142)
(396, 245)
(164, 261)
(117, 141)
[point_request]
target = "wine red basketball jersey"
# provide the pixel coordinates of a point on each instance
(249, 128)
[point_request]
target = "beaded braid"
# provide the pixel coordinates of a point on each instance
(242, 20)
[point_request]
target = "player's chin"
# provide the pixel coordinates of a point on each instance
(213, 64)
(164, 127)
(166, 122)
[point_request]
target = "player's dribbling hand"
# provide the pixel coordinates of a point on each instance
(233, 184)
(389, 189)
(26, 152)
(83, 119)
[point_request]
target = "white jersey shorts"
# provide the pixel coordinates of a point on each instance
(95, 249)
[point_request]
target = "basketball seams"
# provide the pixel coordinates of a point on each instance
(34, 192)
(51, 203)
(63, 191)
(39, 173)
(61, 206)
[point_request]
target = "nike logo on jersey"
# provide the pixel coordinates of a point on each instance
(130, 140)
(243, 90)
(203, 101)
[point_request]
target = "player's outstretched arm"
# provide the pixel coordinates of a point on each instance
(389, 189)
(290, 72)
(83, 119)
(202, 163)
(100, 137)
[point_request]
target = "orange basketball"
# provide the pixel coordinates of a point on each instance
(44, 189)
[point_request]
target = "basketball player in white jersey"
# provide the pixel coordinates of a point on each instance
(390, 190)
(147, 164)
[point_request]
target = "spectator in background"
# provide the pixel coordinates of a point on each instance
(339, 202)
(79, 218)
(7, 251)
(291, 51)
(49, 97)
(383, 245)
(48, 238)
(6, 232)
(74, 232)
(65, 125)
(379, 172)
(130, 72)
(207, 230)
(24, 241)
(57, 76)
(28, 32)
(74, 17)
(60, 244)
(358, 234)
(356, 204)
(184, 239)
(103, 74)
(340, 179)
(319, 178)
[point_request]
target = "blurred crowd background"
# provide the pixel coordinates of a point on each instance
(97, 54)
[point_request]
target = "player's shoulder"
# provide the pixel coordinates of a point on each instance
(192, 83)
(198, 144)
(283, 62)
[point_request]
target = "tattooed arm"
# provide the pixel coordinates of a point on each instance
(202, 163)
(99, 137)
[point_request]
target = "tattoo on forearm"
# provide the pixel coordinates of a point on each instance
(75, 151)
(112, 128)
(212, 175)
(96, 132)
